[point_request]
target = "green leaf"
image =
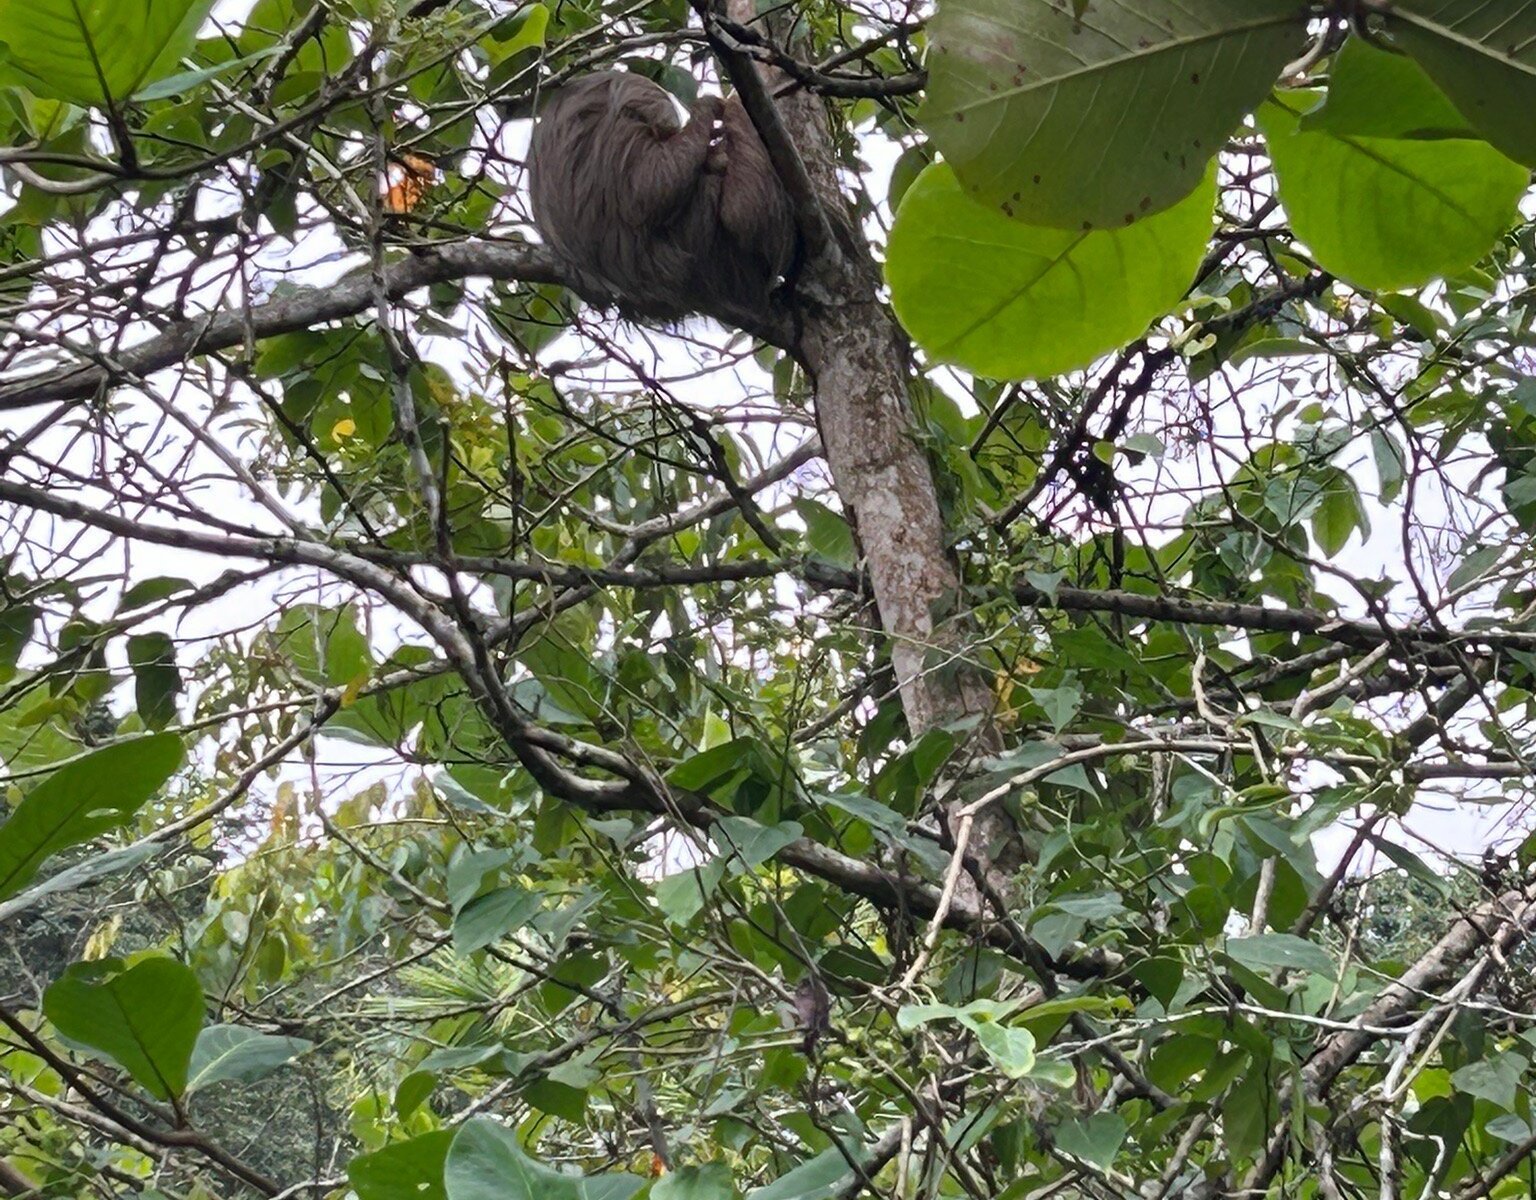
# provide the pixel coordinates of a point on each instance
(1053, 1072)
(1273, 348)
(233, 1052)
(156, 679)
(1094, 1139)
(1509, 1128)
(1495, 1079)
(1338, 514)
(486, 1163)
(84, 798)
(1096, 123)
(1473, 564)
(709, 767)
(681, 896)
(469, 872)
(1410, 862)
(410, 1170)
(828, 534)
(557, 1099)
(455, 1058)
(488, 918)
(1011, 1049)
(1390, 212)
(879, 817)
(96, 52)
(1249, 1109)
(1093, 906)
(1060, 704)
(1483, 56)
(709, 1182)
(145, 1019)
(149, 591)
(1010, 300)
(1268, 950)
(186, 81)
(522, 30)
(753, 842)
(815, 1179)
(1375, 94)
(1391, 462)
(16, 623)
(412, 1091)
(911, 1016)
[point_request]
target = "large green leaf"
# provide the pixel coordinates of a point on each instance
(1372, 93)
(145, 1019)
(96, 52)
(1389, 212)
(1010, 300)
(486, 1163)
(410, 1170)
(84, 798)
(234, 1053)
(1097, 118)
(1484, 57)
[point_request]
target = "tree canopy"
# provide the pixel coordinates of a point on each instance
(1047, 713)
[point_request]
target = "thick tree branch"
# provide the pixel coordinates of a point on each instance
(351, 296)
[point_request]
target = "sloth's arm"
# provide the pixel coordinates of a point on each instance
(666, 166)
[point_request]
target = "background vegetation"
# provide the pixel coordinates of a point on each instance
(1074, 742)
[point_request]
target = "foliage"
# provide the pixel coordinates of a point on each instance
(449, 736)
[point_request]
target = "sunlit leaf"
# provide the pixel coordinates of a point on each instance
(1389, 212)
(1011, 301)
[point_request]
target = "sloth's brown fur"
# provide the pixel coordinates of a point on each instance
(654, 217)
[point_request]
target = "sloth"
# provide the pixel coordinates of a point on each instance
(653, 217)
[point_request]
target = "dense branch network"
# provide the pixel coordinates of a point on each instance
(551, 516)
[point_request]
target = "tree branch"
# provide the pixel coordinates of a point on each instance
(306, 309)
